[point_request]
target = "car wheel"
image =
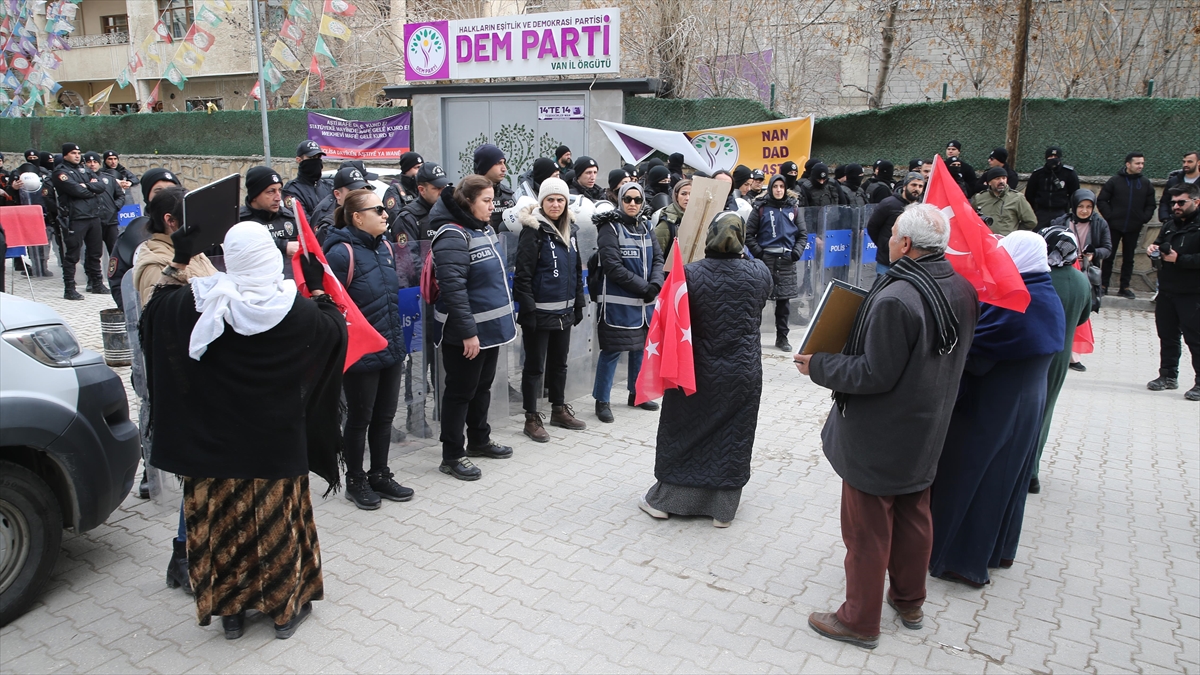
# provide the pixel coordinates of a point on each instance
(30, 535)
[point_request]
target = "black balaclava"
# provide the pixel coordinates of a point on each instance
(818, 172)
(812, 161)
(310, 169)
(785, 170)
(854, 174)
(46, 161)
(675, 162)
(885, 170)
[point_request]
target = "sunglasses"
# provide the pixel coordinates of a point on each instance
(1179, 202)
(632, 200)
(379, 210)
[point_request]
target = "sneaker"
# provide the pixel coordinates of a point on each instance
(604, 412)
(564, 416)
(651, 511)
(782, 344)
(1193, 394)
(72, 294)
(461, 468)
(648, 405)
(1127, 293)
(534, 428)
(492, 450)
(384, 485)
(359, 491)
(1162, 383)
(1077, 367)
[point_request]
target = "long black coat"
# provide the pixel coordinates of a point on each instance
(705, 440)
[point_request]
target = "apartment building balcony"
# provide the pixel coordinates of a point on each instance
(93, 57)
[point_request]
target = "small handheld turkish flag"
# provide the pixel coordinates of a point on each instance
(668, 361)
(362, 338)
(973, 251)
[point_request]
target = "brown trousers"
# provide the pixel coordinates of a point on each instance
(890, 535)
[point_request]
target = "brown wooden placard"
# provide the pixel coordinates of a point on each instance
(708, 199)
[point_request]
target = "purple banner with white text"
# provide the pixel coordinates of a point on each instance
(387, 138)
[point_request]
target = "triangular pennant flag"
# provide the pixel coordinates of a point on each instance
(291, 32)
(283, 54)
(226, 5)
(254, 93)
(300, 98)
(163, 32)
(299, 11)
(190, 57)
(153, 100)
(334, 28)
(101, 98)
(314, 68)
(123, 78)
(207, 17)
(4, 65)
(174, 75)
(323, 49)
(202, 39)
(148, 48)
(273, 77)
(135, 62)
(22, 65)
(340, 7)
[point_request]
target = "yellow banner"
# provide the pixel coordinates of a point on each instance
(763, 145)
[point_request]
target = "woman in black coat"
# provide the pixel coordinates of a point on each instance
(548, 286)
(365, 262)
(705, 440)
(632, 263)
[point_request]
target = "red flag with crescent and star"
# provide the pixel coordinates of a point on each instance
(668, 361)
(974, 251)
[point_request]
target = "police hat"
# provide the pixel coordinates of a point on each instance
(90, 156)
(69, 148)
(350, 178)
(358, 164)
(309, 149)
(110, 153)
(432, 174)
(410, 159)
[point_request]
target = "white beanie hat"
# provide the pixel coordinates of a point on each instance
(553, 186)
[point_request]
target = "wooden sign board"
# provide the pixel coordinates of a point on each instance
(708, 199)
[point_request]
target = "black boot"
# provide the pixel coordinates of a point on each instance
(69, 292)
(143, 487)
(384, 485)
(234, 625)
(604, 411)
(177, 569)
(359, 491)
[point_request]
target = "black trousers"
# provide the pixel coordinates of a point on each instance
(81, 235)
(783, 309)
(1128, 243)
(109, 234)
(371, 399)
(1176, 314)
(466, 399)
(545, 352)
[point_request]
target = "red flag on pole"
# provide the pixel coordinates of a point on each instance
(668, 361)
(973, 249)
(363, 338)
(315, 69)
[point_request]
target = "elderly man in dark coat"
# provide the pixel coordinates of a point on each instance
(705, 440)
(894, 387)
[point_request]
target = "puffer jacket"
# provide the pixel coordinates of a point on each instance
(373, 289)
(1099, 242)
(1127, 202)
(623, 339)
(535, 229)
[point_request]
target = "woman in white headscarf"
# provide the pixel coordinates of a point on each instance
(244, 376)
(983, 475)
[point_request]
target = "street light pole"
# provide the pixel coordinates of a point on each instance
(262, 86)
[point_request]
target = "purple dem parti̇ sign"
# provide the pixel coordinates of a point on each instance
(581, 42)
(387, 138)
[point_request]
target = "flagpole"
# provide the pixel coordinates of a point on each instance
(262, 87)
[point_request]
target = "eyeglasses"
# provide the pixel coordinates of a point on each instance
(378, 209)
(632, 200)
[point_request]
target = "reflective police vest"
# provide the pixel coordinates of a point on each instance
(487, 289)
(554, 276)
(777, 228)
(623, 309)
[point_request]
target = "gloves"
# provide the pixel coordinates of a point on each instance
(526, 319)
(313, 271)
(578, 315)
(795, 257)
(185, 245)
(652, 293)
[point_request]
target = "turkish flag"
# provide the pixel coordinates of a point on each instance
(973, 249)
(669, 362)
(363, 338)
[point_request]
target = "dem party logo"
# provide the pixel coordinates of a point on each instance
(426, 51)
(720, 150)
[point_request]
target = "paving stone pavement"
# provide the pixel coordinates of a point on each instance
(547, 565)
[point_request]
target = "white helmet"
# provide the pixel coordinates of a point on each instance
(600, 207)
(31, 182)
(582, 209)
(512, 215)
(743, 209)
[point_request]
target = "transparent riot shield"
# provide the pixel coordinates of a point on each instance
(865, 248)
(837, 225)
(416, 415)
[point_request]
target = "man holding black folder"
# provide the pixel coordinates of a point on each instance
(894, 389)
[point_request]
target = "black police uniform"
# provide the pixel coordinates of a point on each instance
(309, 194)
(79, 193)
(1049, 191)
(399, 194)
(282, 225)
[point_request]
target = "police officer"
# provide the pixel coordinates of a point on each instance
(121, 259)
(346, 180)
(125, 178)
(412, 223)
(492, 165)
(111, 201)
(818, 190)
(585, 183)
(308, 186)
(404, 190)
(881, 184)
(963, 173)
(1050, 188)
(79, 193)
(264, 204)
(775, 234)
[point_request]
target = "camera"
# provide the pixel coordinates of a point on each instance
(1164, 248)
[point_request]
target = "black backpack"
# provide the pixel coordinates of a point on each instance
(595, 276)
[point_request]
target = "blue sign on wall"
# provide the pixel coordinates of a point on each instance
(809, 247)
(128, 214)
(837, 248)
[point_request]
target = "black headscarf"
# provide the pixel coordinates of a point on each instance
(770, 196)
(1062, 249)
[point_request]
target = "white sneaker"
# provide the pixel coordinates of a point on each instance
(718, 523)
(651, 511)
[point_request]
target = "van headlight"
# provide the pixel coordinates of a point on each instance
(52, 345)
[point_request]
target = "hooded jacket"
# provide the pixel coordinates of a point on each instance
(1181, 277)
(1126, 202)
(373, 288)
(536, 230)
(1099, 242)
